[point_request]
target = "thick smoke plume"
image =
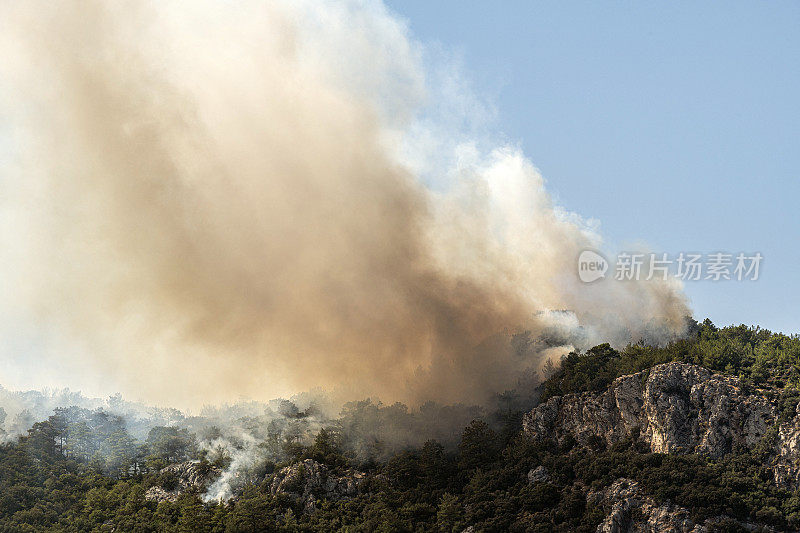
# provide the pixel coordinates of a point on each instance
(208, 200)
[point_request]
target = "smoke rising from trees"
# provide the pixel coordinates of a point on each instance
(207, 201)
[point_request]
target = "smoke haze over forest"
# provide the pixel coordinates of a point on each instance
(205, 204)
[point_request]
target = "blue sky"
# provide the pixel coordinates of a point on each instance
(676, 124)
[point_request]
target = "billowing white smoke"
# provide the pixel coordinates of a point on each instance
(205, 200)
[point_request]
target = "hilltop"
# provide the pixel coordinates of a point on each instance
(698, 435)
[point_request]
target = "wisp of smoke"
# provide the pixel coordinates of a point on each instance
(207, 200)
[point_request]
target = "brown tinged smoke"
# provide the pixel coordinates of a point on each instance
(204, 205)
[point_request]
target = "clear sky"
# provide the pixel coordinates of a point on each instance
(673, 123)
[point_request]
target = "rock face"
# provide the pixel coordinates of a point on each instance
(185, 476)
(631, 511)
(538, 475)
(787, 462)
(311, 481)
(673, 408)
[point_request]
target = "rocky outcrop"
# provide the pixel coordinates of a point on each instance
(179, 478)
(310, 482)
(538, 475)
(631, 511)
(787, 451)
(673, 408)
(676, 408)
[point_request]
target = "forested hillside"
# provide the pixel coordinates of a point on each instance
(81, 470)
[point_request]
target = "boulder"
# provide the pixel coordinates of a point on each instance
(185, 476)
(538, 475)
(311, 481)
